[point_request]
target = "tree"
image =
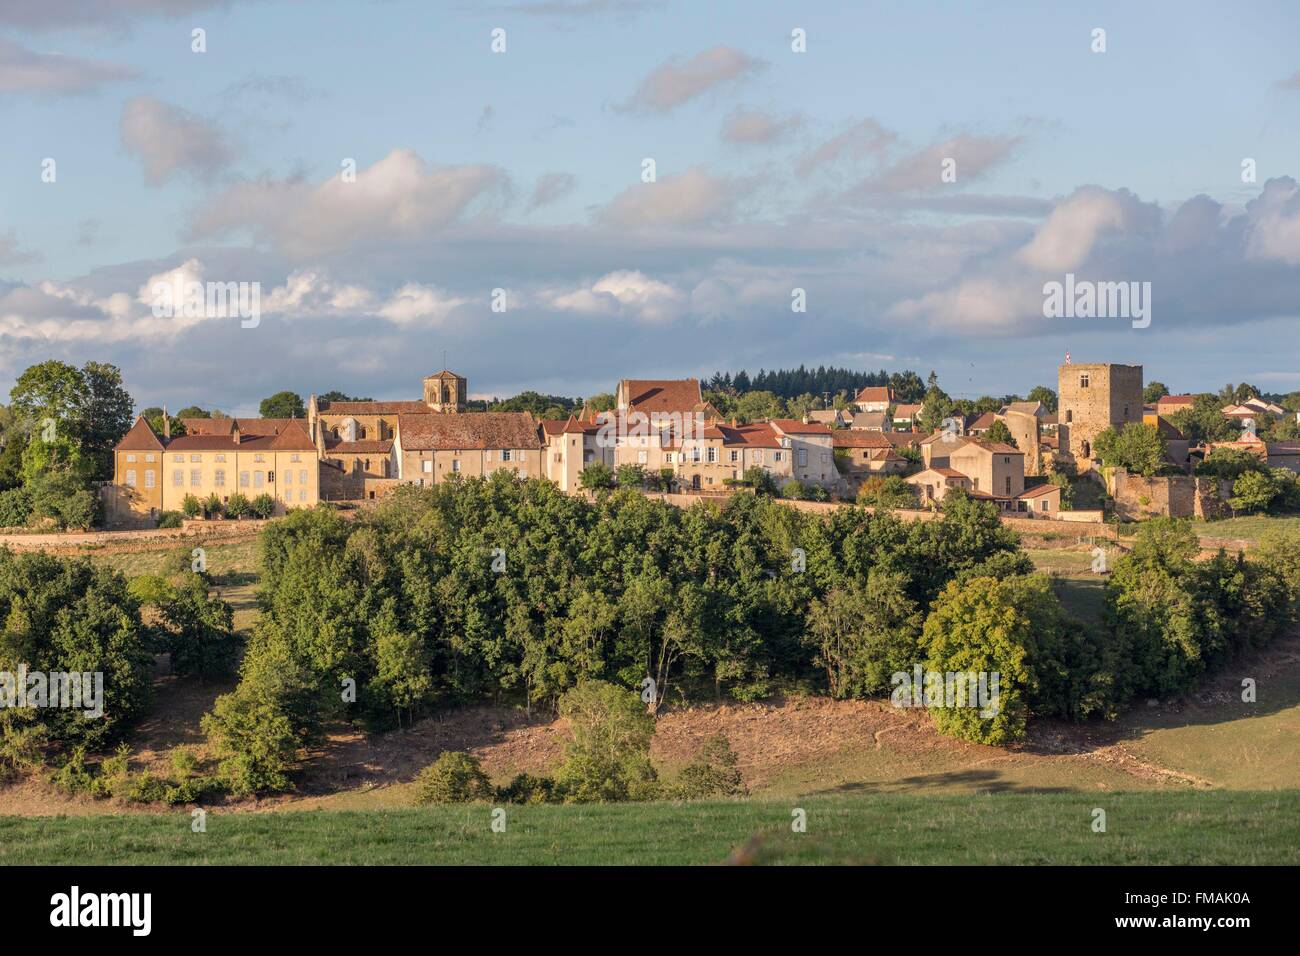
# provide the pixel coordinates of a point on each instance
(631, 476)
(103, 416)
(237, 506)
(760, 479)
(262, 506)
(595, 476)
(609, 758)
(86, 408)
(283, 405)
(1137, 446)
(1254, 491)
(1204, 421)
(1230, 463)
(191, 506)
(999, 431)
(1041, 393)
(1154, 392)
(334, 395)
(712, 772)
(862, 636)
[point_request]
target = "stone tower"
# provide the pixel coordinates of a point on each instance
(1092, 399)
(446, 392)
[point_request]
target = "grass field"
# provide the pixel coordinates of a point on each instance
(1150, 828)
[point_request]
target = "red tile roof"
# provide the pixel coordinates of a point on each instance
(369, 446)
(432, 431)
(1039, 490)
(792, 426)
(663, 395)
(374, 408)
(984, 422)
(844, 438)
(875, 393)
(139, 437)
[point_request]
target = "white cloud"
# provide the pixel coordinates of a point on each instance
(399, 197)
(169, 140)
(1276, 222)
(1089, 214)
(865, 139)
(627, 293)
(414, 303)
(675, 82)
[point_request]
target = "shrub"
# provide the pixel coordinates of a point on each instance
(760, 479)
(525, 788)
(455, 777)
(190, 505)
(609, 758)
(15, 507)
(712, 773)
(171, 519)
(263, 506)
(213, 507)
(254, 740)
(792, 489)
(237, 506)
(596, 476)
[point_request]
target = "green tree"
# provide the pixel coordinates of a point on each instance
(862, 636)
(609, 758)
(1254, 491)
(1153, 392)
(999, 431)
(1137, 446)
(595, 476)
(455, 777)
(1041, 393)
(282, 405)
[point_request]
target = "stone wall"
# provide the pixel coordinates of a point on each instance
(1179, 496)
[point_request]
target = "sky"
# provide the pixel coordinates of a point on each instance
(919, 171)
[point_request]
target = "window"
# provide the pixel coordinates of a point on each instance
(1045, 505)
(1083, 379)
(178, 478)
(505, 454)
(735, 455)
(149, 457)
(668, 458)
(148, 477)
(1126, 411)
(196, 477)
(826, 458)
(302, 476)
(178, 457)
(712, 455)
(130, 478)
(642, 457)
(778, 456)
(243, 479)
(130, 457)
(302, 495)
(259, 458)
(803, 457)
(219, 478)
(196, 457)
(426, 466)
(288, 476)
(1008, 484)
(758, 455)
(1006, 460)
(455, 464)
(295, 457)
(270, 477)
(1069, 416)
(695, 453)
(220, 458)
(259, 479)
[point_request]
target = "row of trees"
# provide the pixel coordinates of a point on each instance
(506, 588)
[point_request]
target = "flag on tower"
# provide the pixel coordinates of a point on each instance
(1067, 358)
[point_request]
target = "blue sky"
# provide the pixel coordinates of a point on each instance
(522, 171)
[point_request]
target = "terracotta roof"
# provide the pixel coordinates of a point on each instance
(792, 426)
(208, 426)
(859, 439)
(907, 411)
(1039, 490)
(874, 393)
(997, 447)
(753, 435)
(903, 439)
(869, 420)
(824, 415)
(942, 472)
(1024, 408)
(472, 430)
(663, 395)
(1176, 400)
(139, 437)
(985, 421)
(374, 408)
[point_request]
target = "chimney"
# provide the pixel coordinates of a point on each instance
(167, 426)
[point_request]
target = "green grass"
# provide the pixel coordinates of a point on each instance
(1141, 828)
(1081, 591)
(226, 558)
(1248, 528)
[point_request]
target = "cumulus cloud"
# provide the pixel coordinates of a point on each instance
(550, 188)
(627, 293)
(25, 71)
(690, 198)
(399, 197)
(1205, 264)
(169, 140)
(415, 303)
(675, 82)
(749, 127)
